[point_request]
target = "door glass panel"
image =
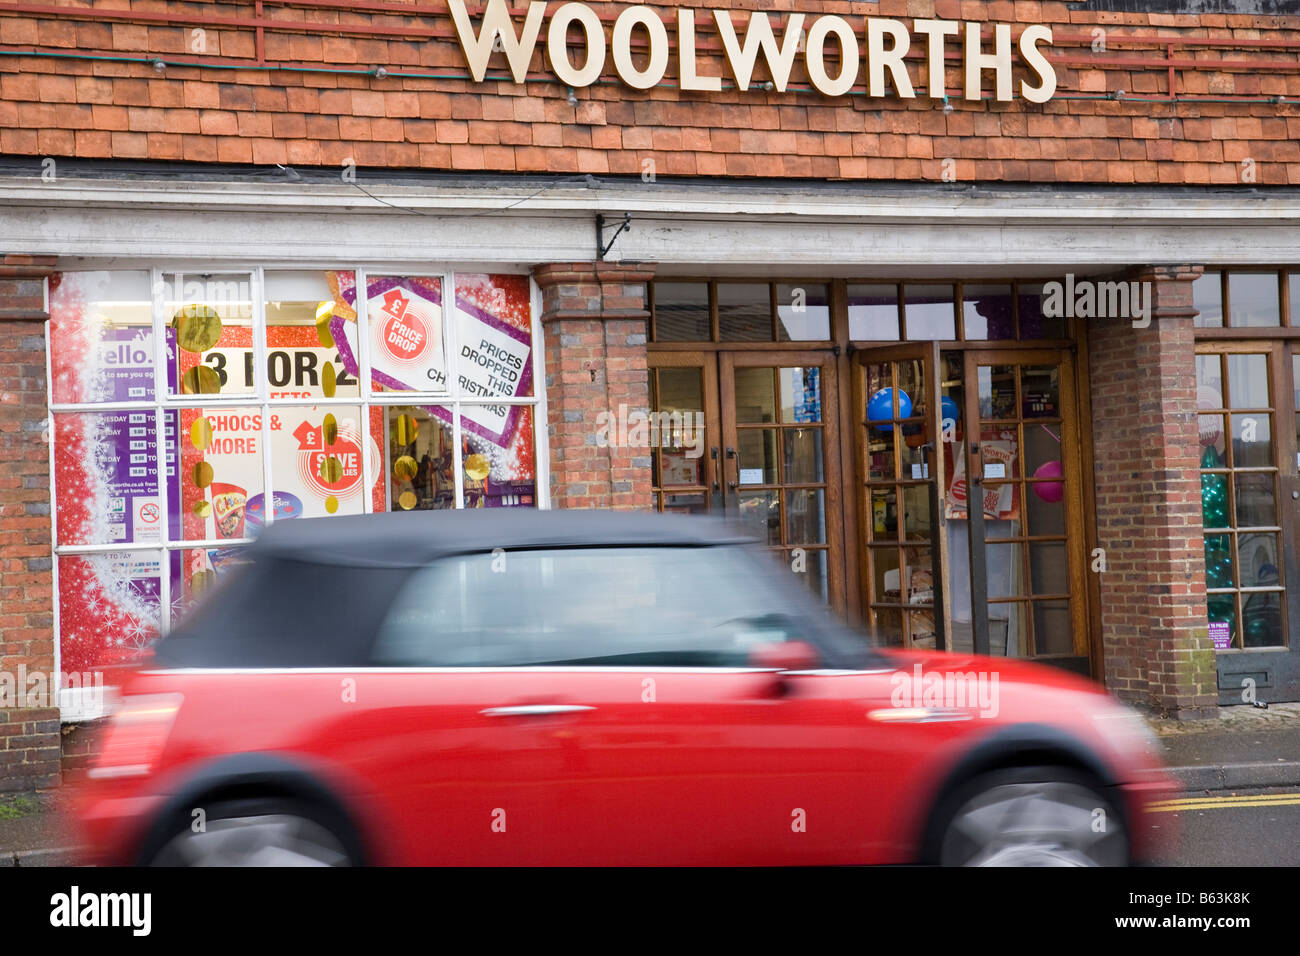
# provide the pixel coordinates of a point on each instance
(1004, 570)
(680, 389)
(997, 392)
(755, 395)
(884, 514)
(686, 504)
(1256, 507)
(811, 564)
(1218, 561)
(681, 311)
(1052, 630)
(916, 513)
(1248, 381)
(805, 516)
(801, 394)
(1046, 506)
(1252, 440)
(1049, 567)
(1253, 299)
(744, 312)
(760, 515)
(1040, 392)
(757, 464)
(803, 455)
(885, 563)
(679, 466)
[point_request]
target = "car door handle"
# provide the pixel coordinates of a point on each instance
(534, 710)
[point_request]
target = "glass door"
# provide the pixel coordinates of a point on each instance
(1250, 484)
(1014, 507)
(764, 447)
(776, 409)
(684, 442)
(901, 425)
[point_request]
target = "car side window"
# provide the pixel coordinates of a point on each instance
(671, 606)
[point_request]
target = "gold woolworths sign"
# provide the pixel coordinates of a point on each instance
(882, 44)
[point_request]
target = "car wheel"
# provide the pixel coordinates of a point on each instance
(257, 832)
(1030, 816)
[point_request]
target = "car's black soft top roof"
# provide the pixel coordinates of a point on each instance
(406, 539)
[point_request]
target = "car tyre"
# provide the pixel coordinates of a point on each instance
(257, 831)
(1028, 816)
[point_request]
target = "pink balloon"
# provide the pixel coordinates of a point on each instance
(1049, 491)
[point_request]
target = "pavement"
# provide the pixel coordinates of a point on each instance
(1244, 748)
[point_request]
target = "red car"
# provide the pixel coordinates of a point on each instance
(532, 687)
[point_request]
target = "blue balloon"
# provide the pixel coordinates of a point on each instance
(950, 411)
(880, 407)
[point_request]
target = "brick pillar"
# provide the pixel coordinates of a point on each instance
(29, 735)
(594, 319)
(1155, 636)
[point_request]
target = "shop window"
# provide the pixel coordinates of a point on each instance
(988, 312)
(1033, 322)
(1239, 503)
(873, 313)
(1207, 299)
(681, 312)
(744, 312)
(263, 402)
(1253, 300)
(803, 312)
(929, 312)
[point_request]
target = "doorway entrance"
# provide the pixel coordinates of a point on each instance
(766, 454)
(835, 424)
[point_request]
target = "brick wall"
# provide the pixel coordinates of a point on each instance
(277, 90)
(29, 736)
(594, 320)
(1156, 644)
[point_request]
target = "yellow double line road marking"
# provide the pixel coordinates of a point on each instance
(1225, 803)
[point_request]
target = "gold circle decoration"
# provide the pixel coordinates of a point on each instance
(201, 433)
(202, 474)
(405, 430)
(405, 468)
(200, 380)
(331, 504)
(407, 500)
(198, 328)
(331, 470)
(202, 581)
(330, 429)
(328, 380)
(477, 467)
(203, 508)
(324, 313)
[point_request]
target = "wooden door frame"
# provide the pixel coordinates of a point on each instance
(707, 363)
(1073, 460)
(825, 359)
(1282, 387)
(927, 353)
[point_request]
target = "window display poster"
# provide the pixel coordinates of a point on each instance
(108, 608)
(106, 476)
(406, 341)
(1001, 501)
(101, 337)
